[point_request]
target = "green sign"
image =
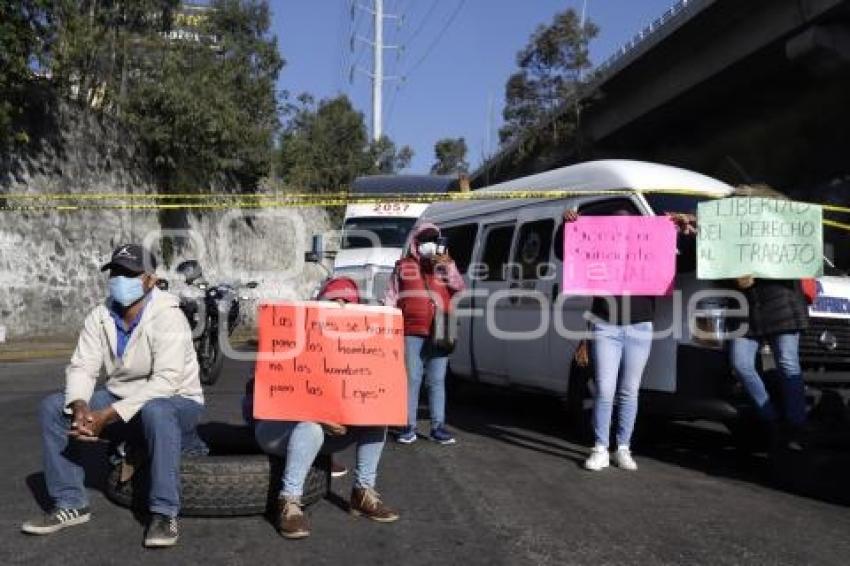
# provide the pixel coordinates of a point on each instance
(765, 238)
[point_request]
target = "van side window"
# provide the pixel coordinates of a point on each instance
(461, 242)
(496, 252)
(599, 208)
(608, 207)
(533, 245)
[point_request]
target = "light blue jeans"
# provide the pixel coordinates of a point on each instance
(786, 353)
(300, 442)
(421, 360)
(617, 348)
(168, 426)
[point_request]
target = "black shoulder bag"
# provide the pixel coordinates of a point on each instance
(441, 336)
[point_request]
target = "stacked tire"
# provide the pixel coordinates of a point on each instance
(235, 479)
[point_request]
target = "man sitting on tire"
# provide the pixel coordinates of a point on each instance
(300, 442)
(142, 340)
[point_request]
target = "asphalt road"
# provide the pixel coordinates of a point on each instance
(510, 492)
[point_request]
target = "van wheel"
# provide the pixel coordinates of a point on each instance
(748, 434)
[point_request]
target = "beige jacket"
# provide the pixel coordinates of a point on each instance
(159, 360)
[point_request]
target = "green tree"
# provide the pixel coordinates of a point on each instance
(450, 156)
(203, 103)
(550, 72)
(101, 44)
(26, 31)
(208, 114)
(387, 158)
(325, 146)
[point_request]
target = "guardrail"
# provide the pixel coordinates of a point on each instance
(666, 23)
(677, 14)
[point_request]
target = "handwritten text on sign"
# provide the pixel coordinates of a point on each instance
(324, 362)
(619, 255)
(767, 238)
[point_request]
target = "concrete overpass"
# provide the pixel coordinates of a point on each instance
(744, 90)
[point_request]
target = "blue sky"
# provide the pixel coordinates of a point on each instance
(455, 69)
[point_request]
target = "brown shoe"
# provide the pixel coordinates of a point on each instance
(367, 502)
(291, 522)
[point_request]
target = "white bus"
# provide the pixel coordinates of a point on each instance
(374, 235)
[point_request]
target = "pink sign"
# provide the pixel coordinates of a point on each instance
(619, 255)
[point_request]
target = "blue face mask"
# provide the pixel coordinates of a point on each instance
(126, 290)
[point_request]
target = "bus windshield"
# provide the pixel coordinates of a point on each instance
(383, 232)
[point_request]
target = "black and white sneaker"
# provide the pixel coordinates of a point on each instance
(162, 531)
(56, 520)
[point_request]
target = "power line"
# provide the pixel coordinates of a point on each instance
(356, 52)
(427, 52)
(391, 107)
(377, 73)
(438, 37)
(422, 23)
(397, 64)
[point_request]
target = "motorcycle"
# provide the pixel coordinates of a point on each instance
(210, 309)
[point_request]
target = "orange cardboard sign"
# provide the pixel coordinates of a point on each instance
(325, 362)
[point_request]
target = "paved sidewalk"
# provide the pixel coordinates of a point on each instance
(38, 348)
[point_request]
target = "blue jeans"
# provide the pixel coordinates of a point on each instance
(420, 359)
(786, 353)
(167, 425)
(300, 442)
(616, 347)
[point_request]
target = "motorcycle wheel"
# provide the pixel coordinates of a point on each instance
(211, 367)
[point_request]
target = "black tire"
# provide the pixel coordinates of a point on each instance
(221, 486)
(210, 375)
(748, 434)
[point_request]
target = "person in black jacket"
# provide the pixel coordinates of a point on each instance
(777, 315)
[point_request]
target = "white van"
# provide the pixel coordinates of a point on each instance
(688, 374)
(374, 235)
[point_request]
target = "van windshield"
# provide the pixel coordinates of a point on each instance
(664, 203)
(381, 232)
(686, 259)
(836, 248)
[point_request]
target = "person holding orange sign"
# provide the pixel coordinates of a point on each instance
(300, 442)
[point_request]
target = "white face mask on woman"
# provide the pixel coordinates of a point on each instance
(428, 249)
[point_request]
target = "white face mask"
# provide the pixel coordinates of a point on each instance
(428, 249)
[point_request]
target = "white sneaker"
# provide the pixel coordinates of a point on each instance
(598, 459)
(623, 459)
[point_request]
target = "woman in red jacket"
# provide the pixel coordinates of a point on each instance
(422, 286)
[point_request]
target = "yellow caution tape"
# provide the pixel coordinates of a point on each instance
(366, 197)
(69, 202)
(839, 225)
